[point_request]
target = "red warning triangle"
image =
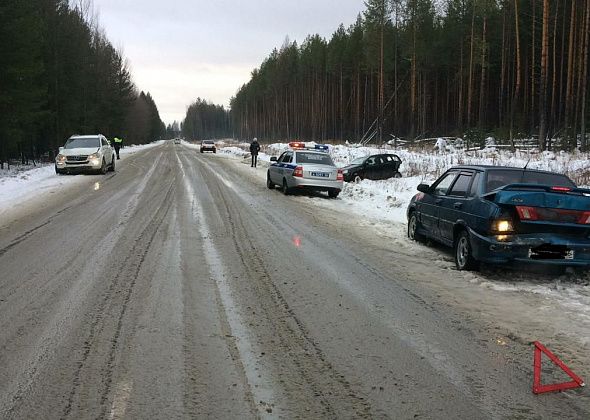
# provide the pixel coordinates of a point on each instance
(537, 387)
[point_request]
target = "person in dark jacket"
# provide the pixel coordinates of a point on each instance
(254, 149)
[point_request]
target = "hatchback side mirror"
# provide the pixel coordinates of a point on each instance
(273, 159)
(425, 188)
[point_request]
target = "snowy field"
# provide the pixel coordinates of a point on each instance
(381, 206)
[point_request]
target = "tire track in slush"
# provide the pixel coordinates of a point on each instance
(130, 269)
(50, 339)
(255, 266)
(240, 347)
(294, 331)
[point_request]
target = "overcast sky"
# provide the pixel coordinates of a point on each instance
(179, 50)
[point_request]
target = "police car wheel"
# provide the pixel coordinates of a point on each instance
(286, 189)
(269, 184)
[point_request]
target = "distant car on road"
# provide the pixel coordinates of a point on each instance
(382, 166)
(176, 141)
(208, 146)
(499, 214)
(91, 153)
(305, 169)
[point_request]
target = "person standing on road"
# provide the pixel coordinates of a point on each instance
(118, 144)
(254, 149)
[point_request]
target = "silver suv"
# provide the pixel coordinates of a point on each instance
(305, 169)
(85, 154)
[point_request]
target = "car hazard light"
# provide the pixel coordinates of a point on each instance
(527, 213)
(298, 171)
(584, 218)
(339, 175)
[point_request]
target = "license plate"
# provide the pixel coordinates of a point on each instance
(321, 174)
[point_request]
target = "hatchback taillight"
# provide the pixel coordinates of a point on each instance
(298, 171)
(339, 175)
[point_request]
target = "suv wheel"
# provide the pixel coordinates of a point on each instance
(103, 168)
(463, 253)
(357, 178)
(112, 167)
(397, 175)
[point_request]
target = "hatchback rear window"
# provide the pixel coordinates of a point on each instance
(81, 142)
(317, 158)
(499, 178)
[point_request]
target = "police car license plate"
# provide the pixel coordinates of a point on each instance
(321, 174)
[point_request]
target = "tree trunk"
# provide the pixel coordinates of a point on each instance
(585, 77)
(543, 85)
(470, 83)
(483, 75)
(518, 70)
(570, 78)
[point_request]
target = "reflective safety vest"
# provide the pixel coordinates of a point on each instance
(118, 140)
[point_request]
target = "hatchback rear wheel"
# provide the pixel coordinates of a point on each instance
(286, 189)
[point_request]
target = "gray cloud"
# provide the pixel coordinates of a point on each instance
(180, 50)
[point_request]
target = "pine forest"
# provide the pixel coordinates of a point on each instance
(60, 75)
(418, 69)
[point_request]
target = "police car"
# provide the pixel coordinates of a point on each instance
(305, 168)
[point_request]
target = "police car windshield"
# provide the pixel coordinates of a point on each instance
(82, 142)
(208, 142)
(317, 158)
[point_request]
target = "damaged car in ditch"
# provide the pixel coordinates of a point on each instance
(501, 215)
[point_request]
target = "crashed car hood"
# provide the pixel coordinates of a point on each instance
(349, 167)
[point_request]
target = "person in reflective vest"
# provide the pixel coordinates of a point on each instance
(118, 144)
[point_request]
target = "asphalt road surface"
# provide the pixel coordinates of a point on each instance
(180, 287)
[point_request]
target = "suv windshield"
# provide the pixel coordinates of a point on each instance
(81, 142)
(208, 142)
(358, 160)
(499, 178)
(319, 158)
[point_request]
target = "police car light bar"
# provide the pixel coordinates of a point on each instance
(323, 147)
(297, 145)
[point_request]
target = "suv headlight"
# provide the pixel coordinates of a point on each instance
(94, 156)
(61, 158)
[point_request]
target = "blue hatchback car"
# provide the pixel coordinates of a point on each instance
(497, 214)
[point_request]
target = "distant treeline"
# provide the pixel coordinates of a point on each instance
(204, 120)
(420, 68)
(60, 75)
